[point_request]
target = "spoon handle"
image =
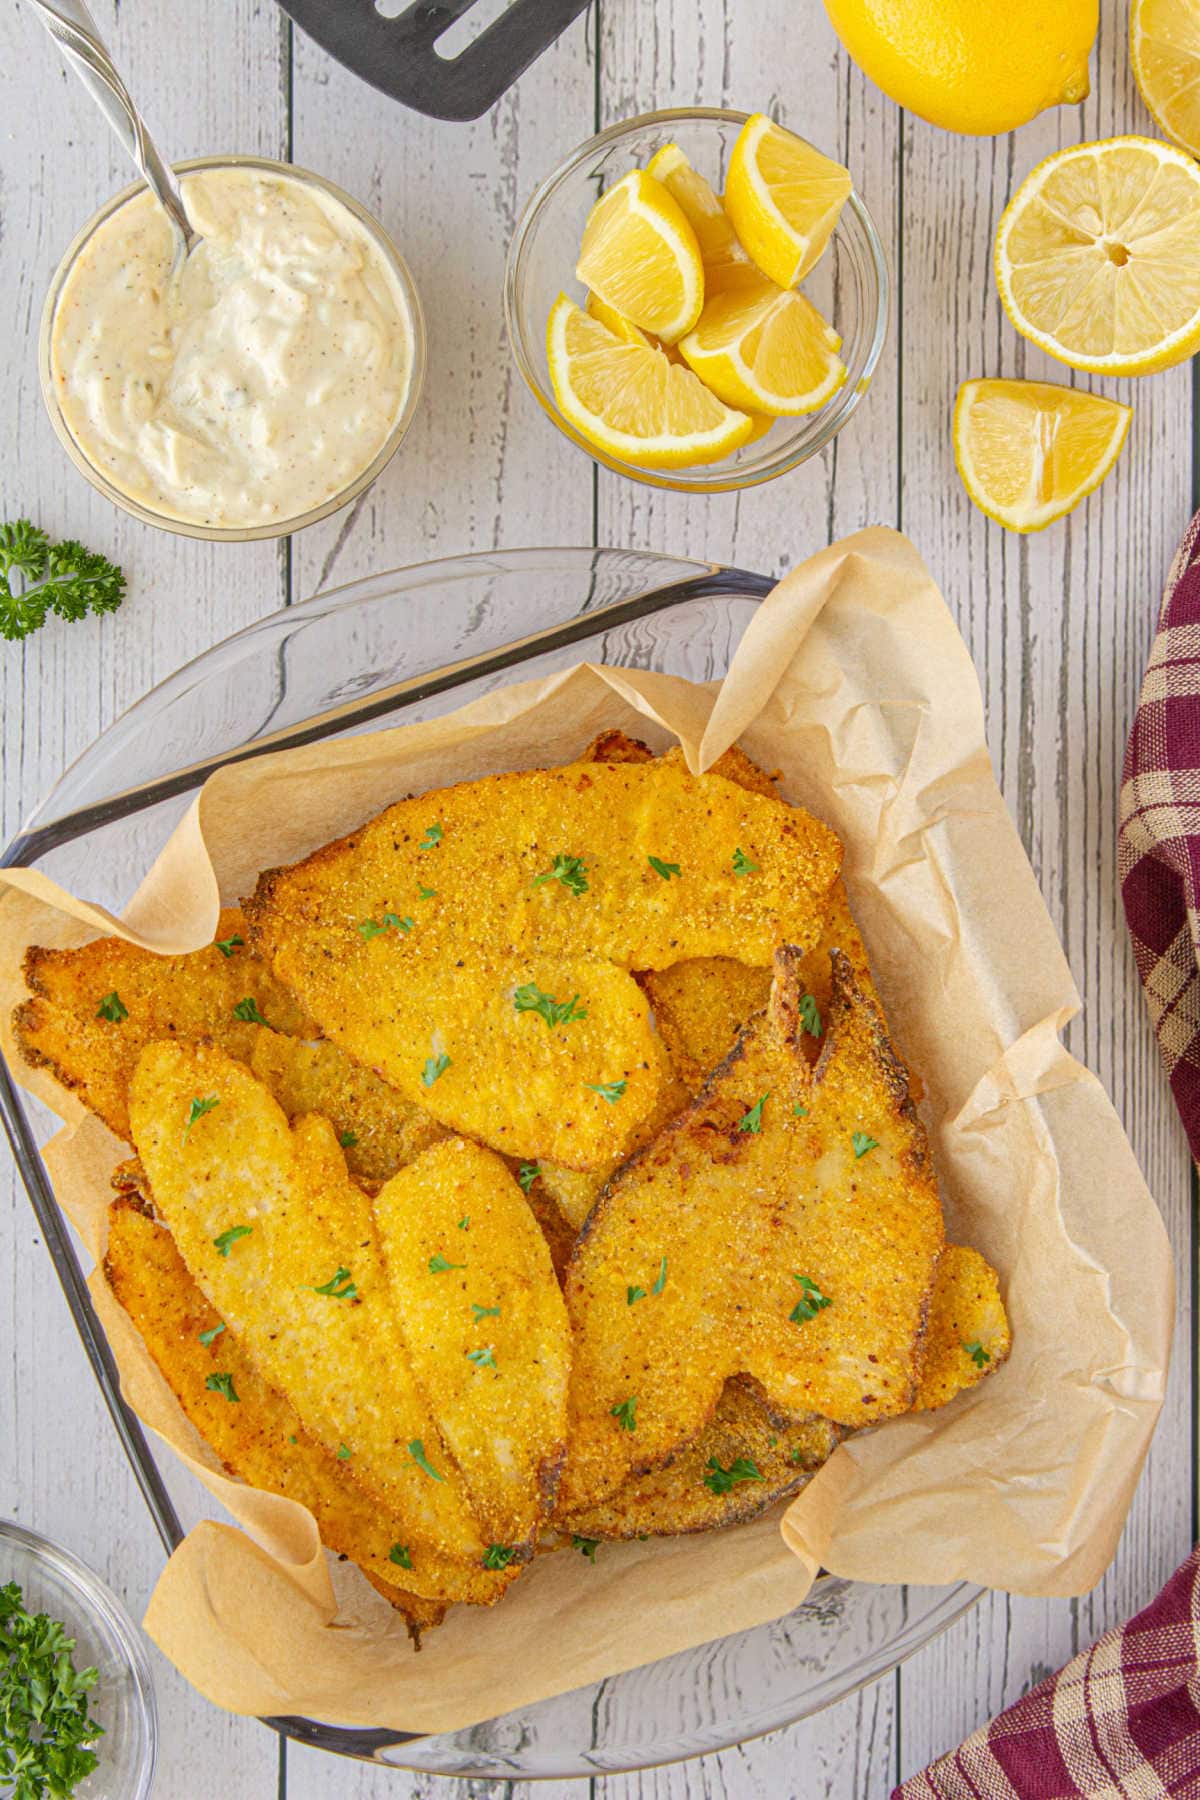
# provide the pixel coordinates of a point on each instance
(71, 25)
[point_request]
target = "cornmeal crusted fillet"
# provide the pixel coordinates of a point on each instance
(62, 1028)
(259, 1437)
(483, 1320)
(968, 1335)
(800, 1239)
(738, 1467)
(265, 1216)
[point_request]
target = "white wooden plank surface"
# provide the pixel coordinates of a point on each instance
(1059, 626)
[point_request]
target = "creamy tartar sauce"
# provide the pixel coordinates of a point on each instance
(258, 381)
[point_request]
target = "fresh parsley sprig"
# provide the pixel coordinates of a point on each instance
(61, 578)
(530, 998)
(45, 1725)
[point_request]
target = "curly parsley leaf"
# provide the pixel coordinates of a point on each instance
(743, 864)
(227, 946)
(213, 1332)
(527, 1174)
(224, 1243)
(61, 578)
(222, 1384)
(530, 998)
(720, 1480)
(433, 835)
(811, 1302)
(665, 869)
(752, 1121)
(586, 1546)
(571, 871)
(417, 1451)
(607, 1090)
(112, 1008)
(978, 1355)
(434, 1069)
(401, 1554)
(247, 1011)
(339, 1286)
(810, 1016)
(498, 1556)
(625, 1413)
(862, 1143)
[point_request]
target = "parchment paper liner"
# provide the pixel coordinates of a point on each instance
(853, 680)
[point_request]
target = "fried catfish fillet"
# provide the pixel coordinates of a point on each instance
(786, 1226)
(283, 1245)
(740, 1465)
(483, 1319)
(94, 1009)
(968, 1335)
(249, 1426)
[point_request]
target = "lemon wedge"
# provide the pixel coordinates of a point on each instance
(726, 264)
(1098, 256)
(617, 323)
(640, 255)
(1029, 451)
(630, 401)
(765, 349)
(1164, 47)
(783, 198)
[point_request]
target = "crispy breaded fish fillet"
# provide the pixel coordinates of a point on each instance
(739, 1466)
(283, 1244)
(786, 1226)
(968, 1335)
(483, 1320)
(95, 1009)
(258, 1436)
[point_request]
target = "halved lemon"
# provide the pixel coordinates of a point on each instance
(1098, 256)
(726, 264)
(765, 349)
(1029, 451)
(783, 198)
(640, 255)
(1164, 47)
(630, 401)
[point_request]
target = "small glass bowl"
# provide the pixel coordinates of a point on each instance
(106, 1639)
(849, 286)
(235, 534)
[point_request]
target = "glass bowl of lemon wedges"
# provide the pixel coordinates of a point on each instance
(698, 298)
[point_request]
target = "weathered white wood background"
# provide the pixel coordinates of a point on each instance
(1059, 626)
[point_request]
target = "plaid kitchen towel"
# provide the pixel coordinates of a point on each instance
(1159, 841)
(1120, 1722)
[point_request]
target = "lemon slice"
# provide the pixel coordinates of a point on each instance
(726, 264)
(1029, 451)
(630, 401)
(640, 255)
(1164, 47)
(1098, 256)
(783, 198)
(765, 349)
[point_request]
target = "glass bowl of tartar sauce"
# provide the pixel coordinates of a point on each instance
(257, 388)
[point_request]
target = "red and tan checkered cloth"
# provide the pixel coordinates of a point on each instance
(1120, 1722)
(1159, 841)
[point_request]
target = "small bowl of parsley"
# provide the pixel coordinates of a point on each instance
(77, 1714)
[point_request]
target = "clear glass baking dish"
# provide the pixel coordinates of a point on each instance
(409, 644)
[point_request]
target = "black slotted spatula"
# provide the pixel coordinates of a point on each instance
(399, 54)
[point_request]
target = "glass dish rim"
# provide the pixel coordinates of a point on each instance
(704, 580)
(836, 412)
(97, 1598)
(237, 534)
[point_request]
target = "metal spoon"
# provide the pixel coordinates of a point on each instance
(71, 24)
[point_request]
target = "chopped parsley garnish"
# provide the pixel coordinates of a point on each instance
(214, 1331)
(810, 1016)
(292, 1438)
(198, 1108)
(416, 1450)
(626, 1413)
(660, 1280)
(483, 1359)
(227, 946)
(720, 1480)
(742, 864)
(347, 1140)
(607, 1090)
(112, 1008)
(227, 1239)
(438, 1264)
(373, 928)
(62, 578)
(222, 1384)
(343, 1453)
(395, 923)
(586, 1546)
(571, 871)
(797, 1454)
(45, 1725)
(498, 1556)
(527, 1174)
(862, 1143)
(338, 1287)
(810, 1303)
(433, 836)
(978, 1355)
(426, 893)
(485, 1312)
(801, 1112)
(400, 1554)
(464, 1224)
(665, 869)
(633, 1294)
(247, 1011)
(530, 998)
(752, 1121)
(435, 1067)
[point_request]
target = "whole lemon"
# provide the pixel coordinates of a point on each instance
(972, 65)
